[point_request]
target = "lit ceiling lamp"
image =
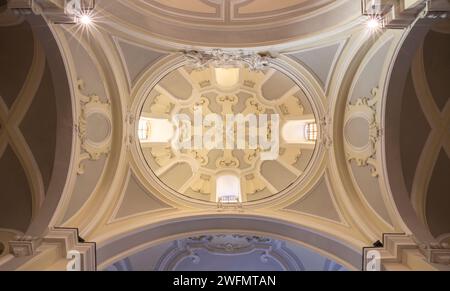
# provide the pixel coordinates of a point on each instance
(374, 23)
(375, 12)
(85, 19)
(227, 77)
(394, 14)
(80, 10)
(72, 12)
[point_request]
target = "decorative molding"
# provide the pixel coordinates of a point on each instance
(163, 155)
(229, 244)
(153, 169)
(203, 184)
(58, 14)
(402, 252)
(236, 244)
(67, 240)
(390, 250)
(130, 120)
(254, 184)
(70, 241)
(24, 246)
(436, 253)
(230, 27)
(326, 131)
(365, 108)
(89, 105)
(207, 163)
(229, 203)
(394, 14)
(292, 106)
(227, 161)
(200, 60)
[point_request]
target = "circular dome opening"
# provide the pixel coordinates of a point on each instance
(227, 135)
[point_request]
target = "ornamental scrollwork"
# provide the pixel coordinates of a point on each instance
(229, 244)
(326, 136)
(89, 105)
(365, 109)
(200, 60)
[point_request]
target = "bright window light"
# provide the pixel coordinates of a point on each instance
(143, 130)
(299, 131)
(311, 131)
(228, 188)
(227, 77)
(153, 130)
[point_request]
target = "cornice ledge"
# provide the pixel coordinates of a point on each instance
(403, 252)
(80, 255)
(74, 247)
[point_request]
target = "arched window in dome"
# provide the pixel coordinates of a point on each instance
(228, 188)
(311, 131)
(300, 132)
(144, 130)
(154, 130)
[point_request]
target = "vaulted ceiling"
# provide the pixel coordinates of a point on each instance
(424, 130)
(229, 22)
(29, 116)
(71, 154)
(194, 172)
(226, 252)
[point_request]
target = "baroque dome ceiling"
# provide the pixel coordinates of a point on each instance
(195, 170)
(339, 143)
(229, 12)
(228, 22)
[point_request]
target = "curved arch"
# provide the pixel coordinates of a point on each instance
(126, 244)
(273, 249)
(405, 62)
(301, 76)
(64, 127)
(365, 219)
(231, 27)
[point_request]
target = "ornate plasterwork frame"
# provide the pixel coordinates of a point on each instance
(92, 223)
(301, 77)
(288, 107)
(90, 105)
(244, 244)
(220, 58)
(365, 108)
